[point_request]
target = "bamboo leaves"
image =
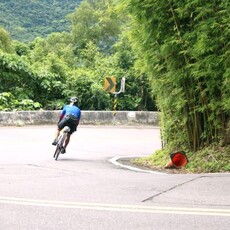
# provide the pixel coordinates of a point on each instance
(186, 46)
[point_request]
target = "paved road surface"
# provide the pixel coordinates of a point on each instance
(84, 190)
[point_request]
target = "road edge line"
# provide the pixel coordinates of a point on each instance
(114, 161)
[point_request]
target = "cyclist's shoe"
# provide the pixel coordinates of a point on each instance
(63, 150)
(55, 142)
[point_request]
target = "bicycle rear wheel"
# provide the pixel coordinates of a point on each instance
(57, 152)
(60, 144)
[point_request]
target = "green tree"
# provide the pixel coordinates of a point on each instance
(56, 44)
(138, 94)
(97, 22)
(49, 59)
(17, 84)
(87, 87)
(5, 41)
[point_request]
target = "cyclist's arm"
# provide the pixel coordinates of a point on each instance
(62, 114)
(61, 117)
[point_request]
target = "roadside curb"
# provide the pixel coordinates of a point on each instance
(43, 117)
(124, 162)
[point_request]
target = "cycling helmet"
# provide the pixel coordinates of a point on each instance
(74, 99)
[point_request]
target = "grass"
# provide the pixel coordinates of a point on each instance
(212, 159)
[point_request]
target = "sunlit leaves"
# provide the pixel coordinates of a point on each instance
(9, 102)
(5, 41)
(95, 22)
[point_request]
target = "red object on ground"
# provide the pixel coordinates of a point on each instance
(179, 159)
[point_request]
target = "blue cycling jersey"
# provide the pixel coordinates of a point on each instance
(71, 109)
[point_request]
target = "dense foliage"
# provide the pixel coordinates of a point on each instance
(49, 70)
(185, 47)
(28, 19)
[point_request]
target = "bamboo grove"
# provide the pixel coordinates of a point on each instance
(184, 47)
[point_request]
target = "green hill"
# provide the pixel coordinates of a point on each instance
(27, 19)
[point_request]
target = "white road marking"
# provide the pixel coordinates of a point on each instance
(114, 161)
(116, 207)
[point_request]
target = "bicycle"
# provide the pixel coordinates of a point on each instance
(61, 141)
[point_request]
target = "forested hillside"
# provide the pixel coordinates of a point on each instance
(28, 19)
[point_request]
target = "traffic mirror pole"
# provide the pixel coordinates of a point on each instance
(122, 90)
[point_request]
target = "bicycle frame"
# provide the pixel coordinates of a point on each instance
(61, 141)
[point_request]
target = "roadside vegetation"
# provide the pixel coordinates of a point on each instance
(183, 47)
(212, 159)
(175, 58)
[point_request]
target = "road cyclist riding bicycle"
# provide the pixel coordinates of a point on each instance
(70, 116)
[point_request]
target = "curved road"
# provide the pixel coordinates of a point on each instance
(84, 190)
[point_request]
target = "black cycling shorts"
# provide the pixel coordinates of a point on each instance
(69, 121)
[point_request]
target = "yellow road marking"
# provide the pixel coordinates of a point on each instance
(116, 207)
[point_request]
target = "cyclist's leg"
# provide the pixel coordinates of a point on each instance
(60, 126)
(57, 133)
(67, 140)
(56, 136)
(72, 130)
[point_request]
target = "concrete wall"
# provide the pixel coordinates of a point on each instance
(41, 117)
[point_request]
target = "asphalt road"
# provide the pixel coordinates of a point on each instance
(85, 189)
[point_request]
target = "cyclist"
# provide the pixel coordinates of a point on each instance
(70, 116)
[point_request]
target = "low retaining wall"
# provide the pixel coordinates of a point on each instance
(41, 117)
